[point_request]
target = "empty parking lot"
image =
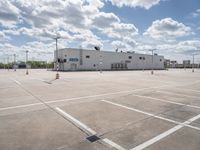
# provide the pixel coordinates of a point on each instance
(124, 110)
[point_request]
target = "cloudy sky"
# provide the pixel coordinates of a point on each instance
(170, 26)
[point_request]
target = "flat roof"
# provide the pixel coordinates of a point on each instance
(109, 51)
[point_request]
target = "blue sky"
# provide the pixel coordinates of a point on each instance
(170, 26)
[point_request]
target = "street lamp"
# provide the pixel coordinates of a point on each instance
(14, 62)
(27, 62)
(97, 48)
(4, 62)
(8, 62)
(152, 68)
(143, 59)
(57, 65)
(193, 62)
(193, 55)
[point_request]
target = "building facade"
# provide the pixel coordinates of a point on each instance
(70, 59)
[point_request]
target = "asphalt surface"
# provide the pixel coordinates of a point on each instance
(124, 110)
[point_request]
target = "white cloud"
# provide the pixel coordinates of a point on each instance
(196, 13)
(135, 3)
(9, 14)
(167, 29)
(120, 45)
(82, 22)
(104, 20)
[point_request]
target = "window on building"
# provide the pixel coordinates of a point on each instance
(129, 57)
(140, 58)
(160, 59)
(87, 56)
(143, 58)
(64, 60)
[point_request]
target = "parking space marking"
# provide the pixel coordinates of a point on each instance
(17, 82)
(76, 122)
(171, 93)
(20, 106)
(151, 115)
(164, 134)
(112, 144)
(76, 98)
(197, 91)
(34, 104)
(166, 101)
(86, 129)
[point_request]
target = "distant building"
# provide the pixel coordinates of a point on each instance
(167, 63)
(82, 59)
(173, 63)
(186, 64)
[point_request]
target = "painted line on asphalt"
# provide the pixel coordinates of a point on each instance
(20, 106)
(164, 134)
(77, 98)
(76, 122)
(178, 94)
(167, 101)
(193, 90)
(17, 82)
(151, 115)
(29, 105)
(86, 129)
(112, 144)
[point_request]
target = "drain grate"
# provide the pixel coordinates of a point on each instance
(93, 138)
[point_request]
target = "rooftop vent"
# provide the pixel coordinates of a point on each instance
(97, 48)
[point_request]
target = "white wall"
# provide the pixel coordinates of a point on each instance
(107, 58)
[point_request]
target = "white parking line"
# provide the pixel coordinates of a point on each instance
(76, 98)
(178, 94)
(164, 134)
(34, 104)
(86, 129)
(197, 91)
(76, 122)
(20, 106)
(16, 81)
(152, 115)
(166, 101)
(112, 144)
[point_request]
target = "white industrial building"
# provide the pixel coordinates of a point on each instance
(70, 59)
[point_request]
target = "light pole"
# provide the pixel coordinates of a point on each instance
(14, 62)
(47, 65)
(27, 62)
(193, 62)
(8, 62)
(4, 62)
(152, 68)
(57, 65)
(100, 62)
(143, 59)
(97, 48)
(193, 55)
